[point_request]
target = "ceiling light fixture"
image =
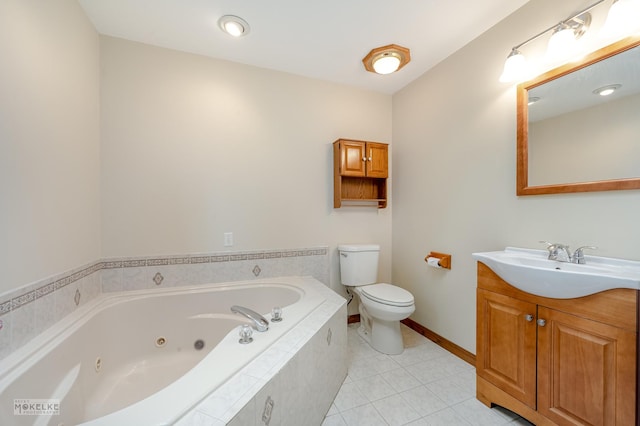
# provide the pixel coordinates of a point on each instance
(607, 90)
(234, 25)
(567, 32)
(387, 59)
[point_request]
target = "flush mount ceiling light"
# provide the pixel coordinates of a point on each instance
(387, 59)
(607, 90)
(234, 25)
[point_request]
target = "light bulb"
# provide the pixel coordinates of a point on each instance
(386, 64)
(514, 67)
(234, 28)
(623, 19)
(561, 43)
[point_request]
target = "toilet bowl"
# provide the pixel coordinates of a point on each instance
(382, 305)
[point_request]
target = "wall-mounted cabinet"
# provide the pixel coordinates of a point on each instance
(557, 361)
(360, 172)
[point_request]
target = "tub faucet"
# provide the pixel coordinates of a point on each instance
(259, 322)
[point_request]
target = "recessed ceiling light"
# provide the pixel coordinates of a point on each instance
(607, 90)
(533, 100)
(234, 25)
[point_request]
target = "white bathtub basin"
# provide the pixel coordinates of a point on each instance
(529, 270)
(106, 365)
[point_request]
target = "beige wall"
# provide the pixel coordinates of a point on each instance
(194, 147)
(454, 180)
(49, 140)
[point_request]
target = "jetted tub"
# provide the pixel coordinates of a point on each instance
(147, 355)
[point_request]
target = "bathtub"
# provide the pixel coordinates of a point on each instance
(149, 357)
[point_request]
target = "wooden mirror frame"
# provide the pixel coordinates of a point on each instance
(522, 163)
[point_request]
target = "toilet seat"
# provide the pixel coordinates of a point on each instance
(387, 294)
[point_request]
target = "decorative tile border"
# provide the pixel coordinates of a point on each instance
(30, 294)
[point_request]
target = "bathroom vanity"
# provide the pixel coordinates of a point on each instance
(557, 361)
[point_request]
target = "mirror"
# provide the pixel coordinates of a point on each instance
(570, 138)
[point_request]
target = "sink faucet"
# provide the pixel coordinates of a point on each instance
(561, 253)
(259, 322)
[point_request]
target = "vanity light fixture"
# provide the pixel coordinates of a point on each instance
(387, 59)
(234, 25)
(567, 32)
(607, 90)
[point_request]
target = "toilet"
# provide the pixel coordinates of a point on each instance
(382, 305)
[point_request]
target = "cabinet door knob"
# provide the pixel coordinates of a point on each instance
(364, 158)
(542, 322)
(529, 317)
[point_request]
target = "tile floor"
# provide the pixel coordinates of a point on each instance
(425, 385)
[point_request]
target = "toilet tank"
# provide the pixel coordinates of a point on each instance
(358, 264)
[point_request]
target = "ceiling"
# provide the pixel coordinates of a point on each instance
(319, 39)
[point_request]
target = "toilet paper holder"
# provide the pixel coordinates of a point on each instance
(445, 259)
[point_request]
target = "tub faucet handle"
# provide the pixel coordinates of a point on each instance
(276, 314)
(245, 334)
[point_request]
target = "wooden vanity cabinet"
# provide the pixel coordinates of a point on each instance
(360, 172)
(557, 361)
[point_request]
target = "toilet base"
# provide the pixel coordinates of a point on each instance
(385, 336)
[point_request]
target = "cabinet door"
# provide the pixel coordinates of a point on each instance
(506, 339)
(352, 158)
(586, 371)
(377, 160)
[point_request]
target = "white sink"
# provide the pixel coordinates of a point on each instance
(529, 270)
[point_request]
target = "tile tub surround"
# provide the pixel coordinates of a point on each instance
(33, 308)
(300, 375)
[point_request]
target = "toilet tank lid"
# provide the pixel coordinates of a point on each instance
(358, 247)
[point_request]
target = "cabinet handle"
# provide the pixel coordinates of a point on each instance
(364, 158)
(542, 322)
(370, 154)
(529, 317)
